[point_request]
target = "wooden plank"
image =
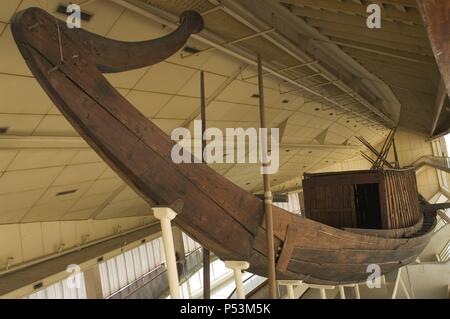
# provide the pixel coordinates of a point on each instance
(217, 213)
(288, 248)
(437, 22)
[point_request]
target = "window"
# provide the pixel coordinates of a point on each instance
(293, 204)
(190, 245)
(63, 290)
(122, 270)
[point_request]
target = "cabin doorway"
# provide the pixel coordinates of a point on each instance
(367, 206)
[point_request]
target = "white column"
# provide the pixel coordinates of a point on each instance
(290, 286)
(237, 267)
(397, 281)
(323, 294)
(322, 288)
(357, 294)
(341, 292)
(165, 215)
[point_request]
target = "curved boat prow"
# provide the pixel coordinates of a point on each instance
(68, 64)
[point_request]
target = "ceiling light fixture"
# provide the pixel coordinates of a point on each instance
(67, 192)
(191, 50)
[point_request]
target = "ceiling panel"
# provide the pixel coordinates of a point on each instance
(55, 125)
(64, 193)
(17, 181)
(17, 201)
(133, 207)
(11, 61)
(48, 212)
(37, 158)
(85, 156)
(104, 185)
(20, 124)
(6, 157)
(79, 173)
(212, 83)
(165, 78)
(148, 103)
(179, 108)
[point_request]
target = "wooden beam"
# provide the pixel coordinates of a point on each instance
(279, 198)
(388, 12)
(437, 21)
(441, 96)
(205, 251)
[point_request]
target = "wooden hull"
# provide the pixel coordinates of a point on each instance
(217, 213)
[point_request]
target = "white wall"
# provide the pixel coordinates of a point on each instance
(26, 242)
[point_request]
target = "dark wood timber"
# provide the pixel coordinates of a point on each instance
(267, 192)
(68, 64)
(206, 254)
(276, 198)
(436, 15)
(374, 199)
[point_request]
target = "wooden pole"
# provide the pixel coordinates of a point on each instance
(267, 194)
(397, 162)
(206, 253)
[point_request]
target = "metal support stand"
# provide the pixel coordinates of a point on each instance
(322, 289)
(237, 267)
(165, 215)
(399, 280)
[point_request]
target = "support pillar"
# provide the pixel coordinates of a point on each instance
(237, 267)
(165, 216)
(322, 290)
(357, 294)
(397, 281)
(341, 291)
(93, 283)
(290, 284)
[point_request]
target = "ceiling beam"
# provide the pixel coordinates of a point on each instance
(388, 12)
(41, 142)
(251, 20)
(319, 146)
(358, 21)
(441, 96)
(380, 34)
(382, 51)
(213, 40)
(383, 42)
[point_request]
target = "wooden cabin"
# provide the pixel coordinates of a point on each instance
(372, 199)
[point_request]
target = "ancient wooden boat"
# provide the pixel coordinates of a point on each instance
(68, 63)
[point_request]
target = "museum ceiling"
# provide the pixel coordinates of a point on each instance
(48, 173)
